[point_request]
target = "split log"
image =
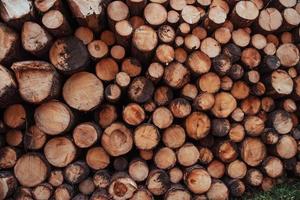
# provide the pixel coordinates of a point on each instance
(10, 51)
(40, 74)
(15, 13)
(88, 14)
(35, 39)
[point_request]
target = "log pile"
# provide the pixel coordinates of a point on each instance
(148, 99)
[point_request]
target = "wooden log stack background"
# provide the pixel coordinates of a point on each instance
(148, 99)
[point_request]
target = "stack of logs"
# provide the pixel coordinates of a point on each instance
(148, 99)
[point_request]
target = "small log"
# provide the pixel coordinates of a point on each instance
(162, 117)
(204, 101)
(226, 151)
(120, 164)
(111, 139)
(270, 19)
(34, 138)
(174, 136)
(210, 47)
(281, 121)
(106, 115)
(165, 53)
(9, 157)
(101, 179)
(37, 73)
(218, 190)
(175, 175)
(221, 64)
(81, 85)
(197, 125)
(199, 62)
(281, 147)
(155, 72)
(64, 191)
(61, 115)
(60, 151)
(166, 34)
(36, 168)
(56, 23)
(220, 127)
(97, 158)
(279, 83)
(225, 101)
(216, 169)
(84, 34)
(14, 137)
(209, 82)
(291, 19)
(108, 37)
(241, 37)
(163, 95)
(288, 54)
(112, 93)
(158, 182)
(146, 143)
(254, 177)
(187, 155)
(272, 166)
(176, 75)
(140, 89)
(244, 13)
(86, 186)
(97, 49)
(269, 136)
(56, 178)
(86, 134)
(236, 187)
(42, 191)
(123, 80)
(138, 170)
(107, 69)
(69, 55)
(133, 114)
(122, 186)
(190, 14)
(76, 172)
(155, 14)
(197, 179)
(123, 33)
(165, 158)
(144, 41)
(236, 169)
(131, 66)
(253, 151)
(254, 126)
(14, 116)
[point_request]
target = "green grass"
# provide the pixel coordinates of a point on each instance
(285, 191)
